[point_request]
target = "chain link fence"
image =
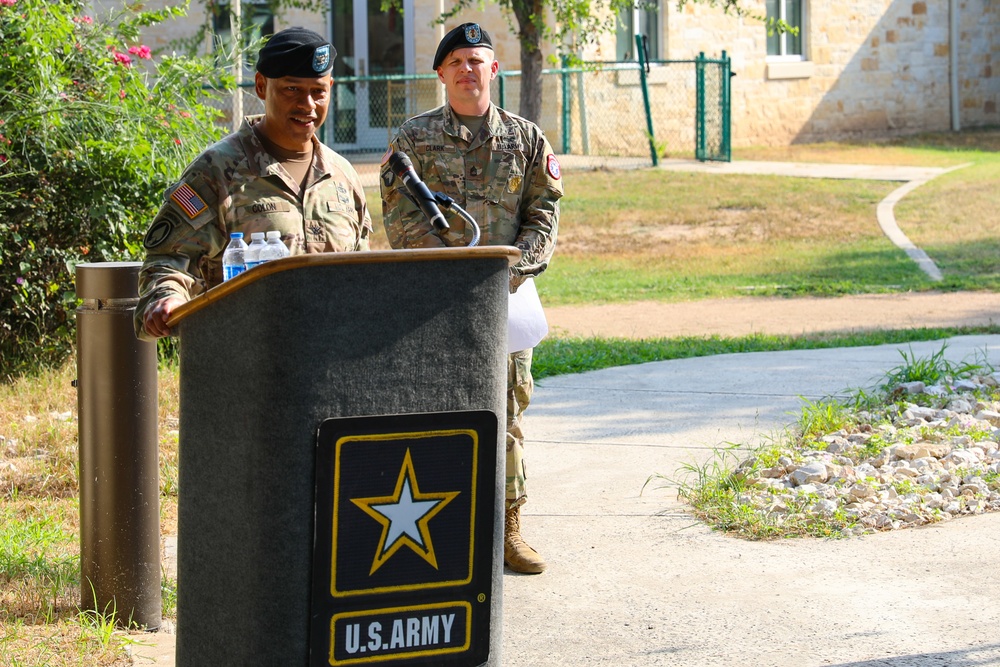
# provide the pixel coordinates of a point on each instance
(713, 108)
(677, 109)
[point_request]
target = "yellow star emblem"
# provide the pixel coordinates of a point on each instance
(405, 516)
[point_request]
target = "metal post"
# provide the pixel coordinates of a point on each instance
(727, 139)
(581, 103)
(640, 47)
(700, 152)
(236, 31)
(119, 471)
(566, 129)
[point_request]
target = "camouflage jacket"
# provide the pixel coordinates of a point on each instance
(506, 178)
(237, 186)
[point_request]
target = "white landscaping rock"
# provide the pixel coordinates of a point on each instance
(814, 472)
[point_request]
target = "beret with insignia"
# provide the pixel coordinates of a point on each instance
(296, 52)
(465, 35)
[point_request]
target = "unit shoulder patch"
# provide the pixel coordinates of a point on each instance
(158, 233)
(552, 166)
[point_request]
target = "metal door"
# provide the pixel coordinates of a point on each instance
(369, 43)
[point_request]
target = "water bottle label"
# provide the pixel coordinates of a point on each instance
(252, 264)
(230, 271)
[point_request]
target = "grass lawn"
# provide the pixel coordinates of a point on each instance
(650, 234)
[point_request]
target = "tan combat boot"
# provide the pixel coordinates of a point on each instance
(517, 555)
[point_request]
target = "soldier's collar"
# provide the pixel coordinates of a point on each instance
(453, 124)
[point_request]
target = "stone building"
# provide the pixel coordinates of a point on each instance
(857, 69)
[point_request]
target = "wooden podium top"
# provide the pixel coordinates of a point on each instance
(510, 253)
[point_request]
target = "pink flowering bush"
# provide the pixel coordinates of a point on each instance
(93, 127)
(142, 52)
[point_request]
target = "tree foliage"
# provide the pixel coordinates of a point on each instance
(93, 128)
(248, 42)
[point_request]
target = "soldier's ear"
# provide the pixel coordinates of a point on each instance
(260, 84)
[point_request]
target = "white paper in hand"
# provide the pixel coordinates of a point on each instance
(526, 325)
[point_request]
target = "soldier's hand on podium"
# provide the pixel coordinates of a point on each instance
(157, 314)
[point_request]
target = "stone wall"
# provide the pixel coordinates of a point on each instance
(979, 63)
(873, 69)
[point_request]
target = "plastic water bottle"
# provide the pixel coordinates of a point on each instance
(233, 259)
(274, 249)
(252, 255)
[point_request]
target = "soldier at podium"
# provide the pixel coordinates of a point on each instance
(271, 174)
(501, 169)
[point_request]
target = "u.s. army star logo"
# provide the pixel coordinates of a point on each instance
(405, 517)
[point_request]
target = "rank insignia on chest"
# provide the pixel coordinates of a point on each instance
(514, 184)
(342, 194)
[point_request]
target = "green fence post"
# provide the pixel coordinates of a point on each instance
(699, 116)
(727, 148)
(640, 43)
(566, 129)
(503, 91)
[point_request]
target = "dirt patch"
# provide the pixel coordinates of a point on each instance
(776, 315)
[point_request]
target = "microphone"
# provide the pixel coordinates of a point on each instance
(401, 166)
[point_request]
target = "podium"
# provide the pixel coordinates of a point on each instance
(341, 461)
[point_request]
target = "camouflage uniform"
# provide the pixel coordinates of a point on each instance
(509, 181)
(237, 186)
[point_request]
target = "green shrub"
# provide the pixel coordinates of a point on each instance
(93, 128)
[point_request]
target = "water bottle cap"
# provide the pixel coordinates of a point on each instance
(274, 235)
(257, 235)
(236, 235)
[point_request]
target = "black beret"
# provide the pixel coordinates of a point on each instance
(296, 52)
(467, 34)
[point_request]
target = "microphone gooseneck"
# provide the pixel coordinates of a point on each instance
(402, 167)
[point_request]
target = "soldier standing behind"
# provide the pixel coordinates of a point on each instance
(501, 169)
(271, 174)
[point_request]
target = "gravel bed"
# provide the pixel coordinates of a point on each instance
(930, 456)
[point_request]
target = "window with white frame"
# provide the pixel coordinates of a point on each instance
(785, 44)
(641, 20)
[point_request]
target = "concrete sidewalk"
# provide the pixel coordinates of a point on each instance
(634, 581)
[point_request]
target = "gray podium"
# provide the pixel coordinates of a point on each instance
(341, 461)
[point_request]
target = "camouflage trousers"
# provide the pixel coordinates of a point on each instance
(519, 389)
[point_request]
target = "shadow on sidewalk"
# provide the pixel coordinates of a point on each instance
(970, 657)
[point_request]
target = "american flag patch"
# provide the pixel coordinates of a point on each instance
(188, 200)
